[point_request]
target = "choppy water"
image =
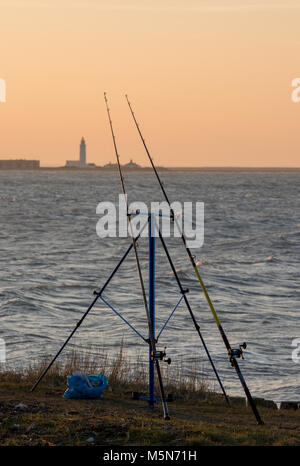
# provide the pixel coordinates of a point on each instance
(51, 260)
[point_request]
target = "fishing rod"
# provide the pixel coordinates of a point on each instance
(98, 295)
(156, 355)
(233, 354)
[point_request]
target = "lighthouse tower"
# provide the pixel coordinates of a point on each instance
(82, 153)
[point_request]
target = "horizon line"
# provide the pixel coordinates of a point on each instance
(190, 166)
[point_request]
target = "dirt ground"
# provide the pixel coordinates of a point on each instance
(46, 418)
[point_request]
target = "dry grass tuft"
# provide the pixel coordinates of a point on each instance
(121, 371)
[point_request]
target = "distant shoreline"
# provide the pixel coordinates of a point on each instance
(168, 169)
(234, 168)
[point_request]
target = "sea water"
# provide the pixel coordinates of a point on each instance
(51, 261)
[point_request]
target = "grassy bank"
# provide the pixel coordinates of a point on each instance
(198, 415)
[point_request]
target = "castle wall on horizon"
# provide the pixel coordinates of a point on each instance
(19, 164)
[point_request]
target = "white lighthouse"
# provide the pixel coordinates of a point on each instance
(82, 153)
(81, 163)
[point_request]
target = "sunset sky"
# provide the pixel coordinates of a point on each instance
(209, 80)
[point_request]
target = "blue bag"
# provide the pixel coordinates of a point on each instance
(85, 386)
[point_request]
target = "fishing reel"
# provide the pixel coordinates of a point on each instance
(160, 356)
(133, 212)
(236, 353)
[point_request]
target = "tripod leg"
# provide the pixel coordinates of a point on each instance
(197, 327)
(86, 313)
(63, 346)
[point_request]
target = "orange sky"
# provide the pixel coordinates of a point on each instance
(210, 80)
